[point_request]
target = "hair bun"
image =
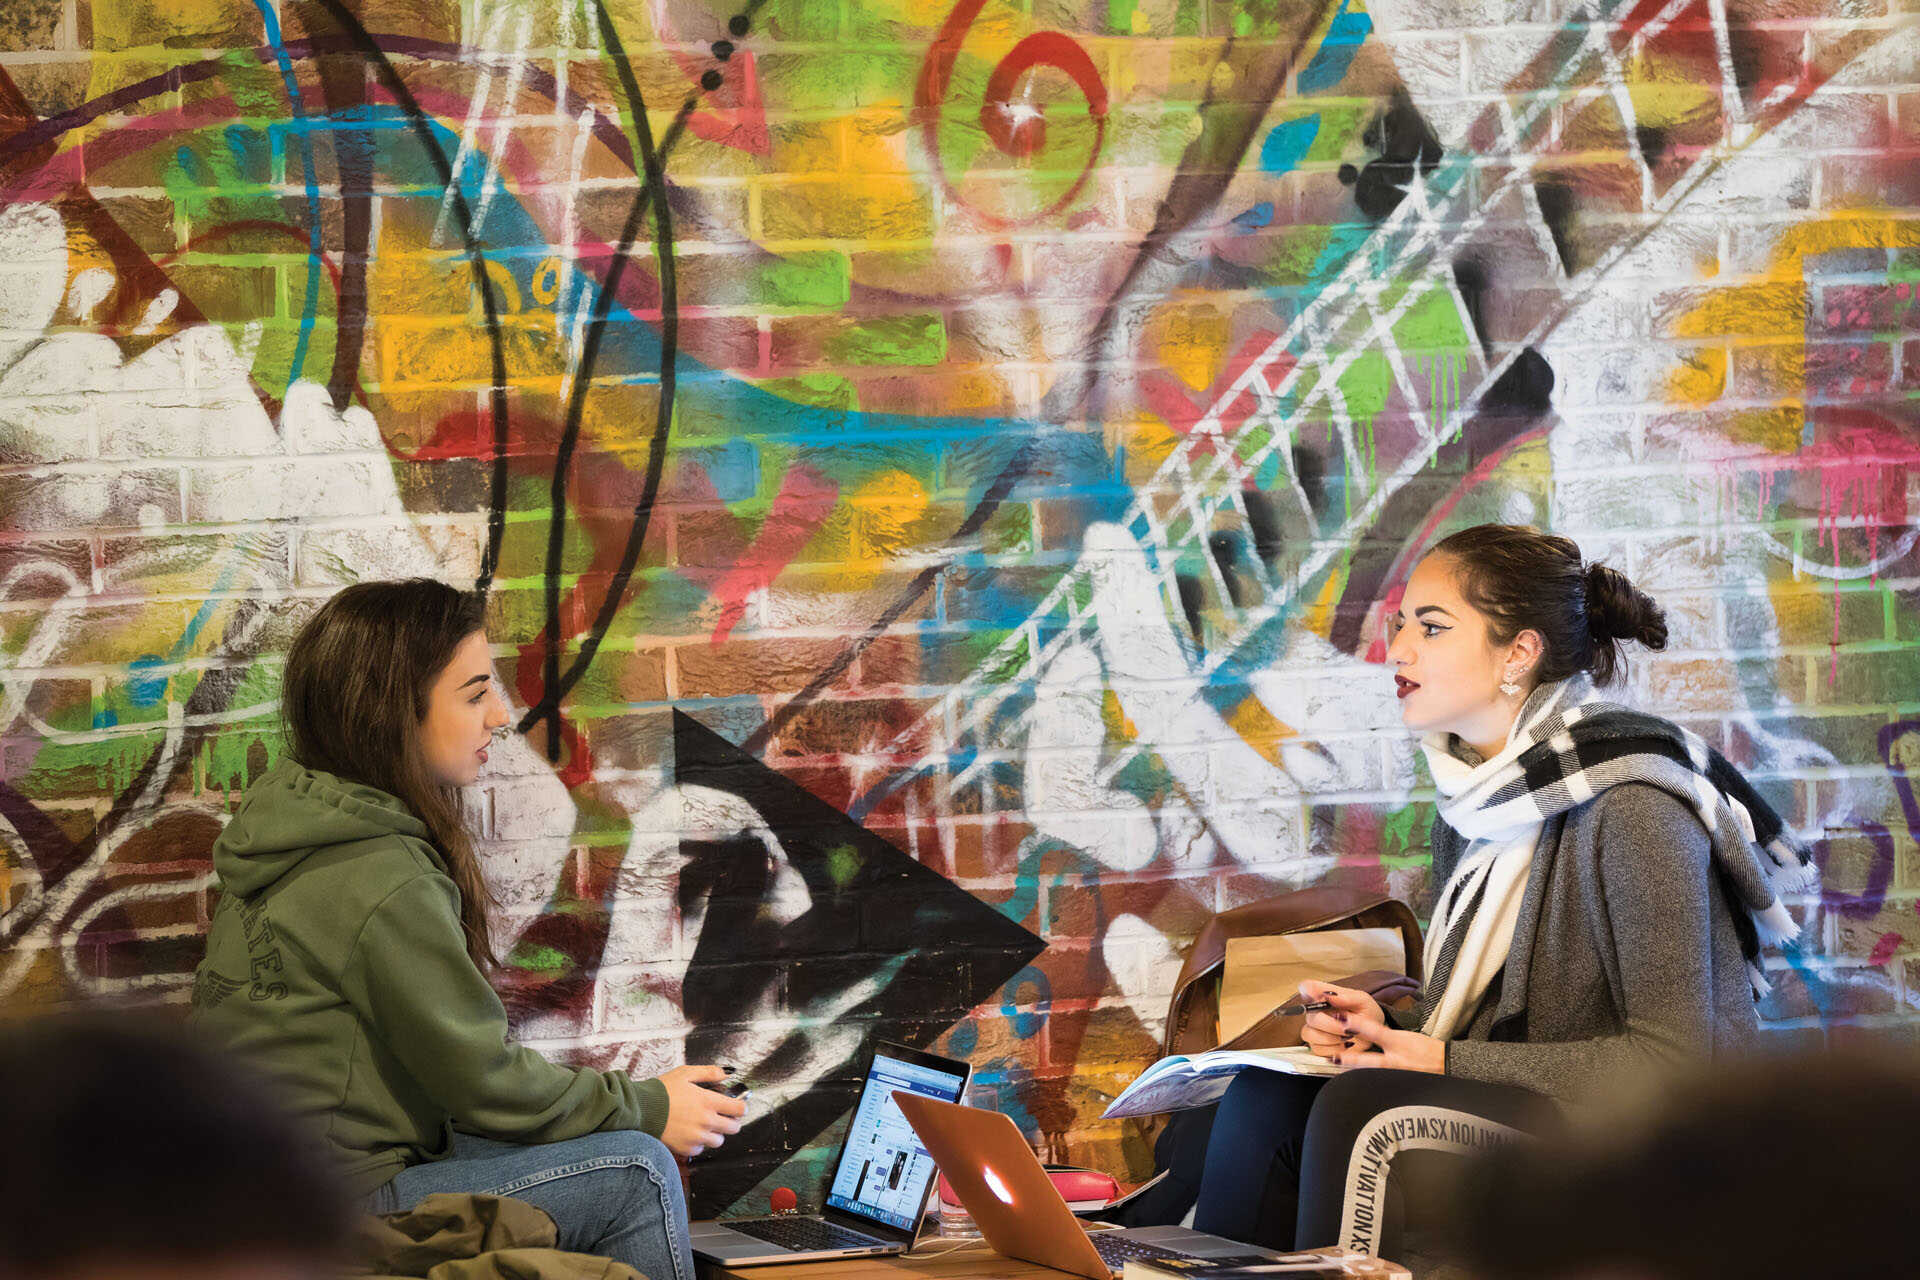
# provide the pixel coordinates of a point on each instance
(1599, 611)
(1618, 610)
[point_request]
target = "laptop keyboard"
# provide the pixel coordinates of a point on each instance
(1115, 1249)
(805, 1235)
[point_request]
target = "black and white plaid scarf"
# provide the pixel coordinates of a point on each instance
(1579, 749)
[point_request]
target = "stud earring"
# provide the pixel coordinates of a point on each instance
(1509, 688)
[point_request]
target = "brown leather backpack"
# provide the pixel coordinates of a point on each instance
(1193, 1016)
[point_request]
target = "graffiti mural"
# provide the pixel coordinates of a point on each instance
(937, 473)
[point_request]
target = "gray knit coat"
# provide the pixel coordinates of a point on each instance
(1624, 958)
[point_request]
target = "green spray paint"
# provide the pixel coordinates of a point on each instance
(1432, 323)
(537, 959)
(893, 340)
(809, 280)
(1011, 665)
(224, 755)
(1433, 336)
(1443, 392)
(109, 763)
(1292, 256)
(843, 864)
(1401, 833)
(1365, 387)
(1252, 440)
(1080, 591)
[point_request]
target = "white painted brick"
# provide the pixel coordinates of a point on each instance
(702, 811)
(1693, 621)
(531, 806)
(399, 546)
(46, 428)
(630, 1001)
(1613, 547)
(33, 275)
(1612, 377)
(523, 874)
(1609, 314)
(1588, 440)
(552, 1027)
(1678, 564)
(1141, 961)
(1495, 57)
(1431, 66)
(646, 922)
(49, 500)
(1753, 246)
(310, 424)
(1783, 185)
(285, 489)
(1596, 501)
(184, 423)
(200, 358)
(1682, 249)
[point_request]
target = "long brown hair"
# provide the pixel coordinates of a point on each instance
(355, 695)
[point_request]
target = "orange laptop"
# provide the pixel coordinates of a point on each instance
(997, 1177)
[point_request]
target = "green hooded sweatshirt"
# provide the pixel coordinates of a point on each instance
(336, 963)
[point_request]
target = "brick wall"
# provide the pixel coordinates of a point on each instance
(981, 453)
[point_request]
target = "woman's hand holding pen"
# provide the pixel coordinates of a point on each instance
(1324, 1028)
(1352, 1031)
(699, 1115)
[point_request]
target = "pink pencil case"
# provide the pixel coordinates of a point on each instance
(1082, 1189)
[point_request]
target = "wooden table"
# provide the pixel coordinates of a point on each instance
(937, 1259)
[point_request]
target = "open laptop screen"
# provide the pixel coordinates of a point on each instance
(883, 1170)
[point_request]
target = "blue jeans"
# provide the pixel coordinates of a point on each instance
(614, 1195)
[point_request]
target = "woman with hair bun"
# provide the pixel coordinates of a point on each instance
(1605, 882)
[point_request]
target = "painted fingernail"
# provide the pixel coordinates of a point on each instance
(1341, 1018)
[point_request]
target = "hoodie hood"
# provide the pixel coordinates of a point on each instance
(293, 811)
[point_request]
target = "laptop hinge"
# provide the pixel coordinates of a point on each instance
(854, 1222)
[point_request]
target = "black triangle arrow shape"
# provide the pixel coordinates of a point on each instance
(874, 909)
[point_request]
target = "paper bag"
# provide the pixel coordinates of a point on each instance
(1266, 971)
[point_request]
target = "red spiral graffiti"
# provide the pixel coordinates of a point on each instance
(1016, 137)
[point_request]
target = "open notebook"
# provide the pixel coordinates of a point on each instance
(1193, 1080)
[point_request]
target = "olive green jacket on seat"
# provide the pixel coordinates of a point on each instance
(470, 1237)
(337, 965)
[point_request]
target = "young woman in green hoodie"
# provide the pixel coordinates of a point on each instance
(348, 954)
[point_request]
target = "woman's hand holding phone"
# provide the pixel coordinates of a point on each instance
(699, 1115)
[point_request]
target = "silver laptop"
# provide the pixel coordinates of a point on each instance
(880, 1182)
(1017, 1208)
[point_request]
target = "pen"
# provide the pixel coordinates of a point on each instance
(1289, 1010)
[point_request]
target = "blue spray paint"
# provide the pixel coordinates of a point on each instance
(301, 126)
